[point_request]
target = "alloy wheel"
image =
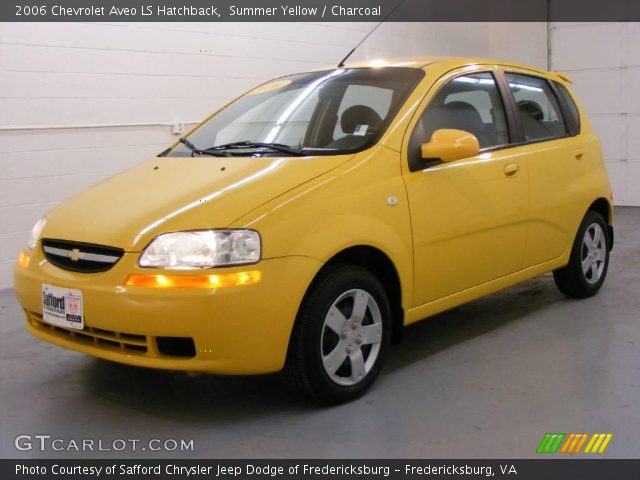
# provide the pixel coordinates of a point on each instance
(594, 253)
(351, 337)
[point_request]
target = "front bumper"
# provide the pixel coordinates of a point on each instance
(235, 330)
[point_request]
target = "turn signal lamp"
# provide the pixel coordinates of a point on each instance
(194, 281)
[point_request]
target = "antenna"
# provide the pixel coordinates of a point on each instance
(341, 64)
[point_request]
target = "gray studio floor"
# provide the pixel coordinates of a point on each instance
(485, 380)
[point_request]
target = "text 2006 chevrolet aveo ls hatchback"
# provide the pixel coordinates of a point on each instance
(302, 225)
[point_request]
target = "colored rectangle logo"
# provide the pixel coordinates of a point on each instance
(573, 443)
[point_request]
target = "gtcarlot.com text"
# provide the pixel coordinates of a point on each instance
(49, 443)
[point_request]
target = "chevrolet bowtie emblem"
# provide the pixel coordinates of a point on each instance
(75, 254)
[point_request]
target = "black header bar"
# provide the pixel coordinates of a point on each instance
(319, 10)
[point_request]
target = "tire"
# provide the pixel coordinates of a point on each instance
(587, 268)
(341, 336)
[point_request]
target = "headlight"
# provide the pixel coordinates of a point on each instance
(202, 249)
(34, 236)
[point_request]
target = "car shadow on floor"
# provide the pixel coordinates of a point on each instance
(218, 400)
(480, 317)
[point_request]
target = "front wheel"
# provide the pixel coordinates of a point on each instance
(341, 336)
(589, 260)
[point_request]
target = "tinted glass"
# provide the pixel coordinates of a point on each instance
(538, 107)
(471, 103)
(572, 109)
(326, 112)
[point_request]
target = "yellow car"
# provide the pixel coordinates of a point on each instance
(305, 223)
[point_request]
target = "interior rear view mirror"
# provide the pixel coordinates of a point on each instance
(449, 145)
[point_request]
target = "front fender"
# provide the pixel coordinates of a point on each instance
(361, 203)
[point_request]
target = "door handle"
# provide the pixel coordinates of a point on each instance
(579, 153)
(511, 169)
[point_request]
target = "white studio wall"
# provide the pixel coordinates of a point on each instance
(604, 61)
(81, 102)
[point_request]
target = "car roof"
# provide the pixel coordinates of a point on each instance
(446, 63)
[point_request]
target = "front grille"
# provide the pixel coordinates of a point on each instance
(80, 257)
(98, 337)
(131, 343)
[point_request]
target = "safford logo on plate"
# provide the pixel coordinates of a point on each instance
(62, 307)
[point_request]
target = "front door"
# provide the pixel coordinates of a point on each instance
(468, 216)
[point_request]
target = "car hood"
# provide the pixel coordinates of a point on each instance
(168, 194)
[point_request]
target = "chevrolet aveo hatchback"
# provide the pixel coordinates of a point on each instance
(304, 224)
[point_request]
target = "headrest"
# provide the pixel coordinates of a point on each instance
(532, 108)
(464, 108)
(359, 115)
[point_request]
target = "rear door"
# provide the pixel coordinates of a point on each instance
(550, 140)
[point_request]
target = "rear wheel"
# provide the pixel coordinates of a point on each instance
(341, 336)
(589, 260)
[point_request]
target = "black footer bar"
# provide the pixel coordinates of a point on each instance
(548, 469)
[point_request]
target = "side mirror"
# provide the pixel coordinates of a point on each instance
(449, 145)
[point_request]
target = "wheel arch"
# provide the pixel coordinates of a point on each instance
(604, 208)
(382, 267)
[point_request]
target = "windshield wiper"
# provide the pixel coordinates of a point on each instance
(200, 151)
(279, 147)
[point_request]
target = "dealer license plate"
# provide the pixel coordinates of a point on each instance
(62, 307)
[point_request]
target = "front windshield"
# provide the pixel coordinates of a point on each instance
(328, 112)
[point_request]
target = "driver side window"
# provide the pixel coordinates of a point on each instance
(469, 102)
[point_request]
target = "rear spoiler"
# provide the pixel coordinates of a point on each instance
(563, 76)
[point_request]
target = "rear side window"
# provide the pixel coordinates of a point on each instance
(573, 114)
(538, 107)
